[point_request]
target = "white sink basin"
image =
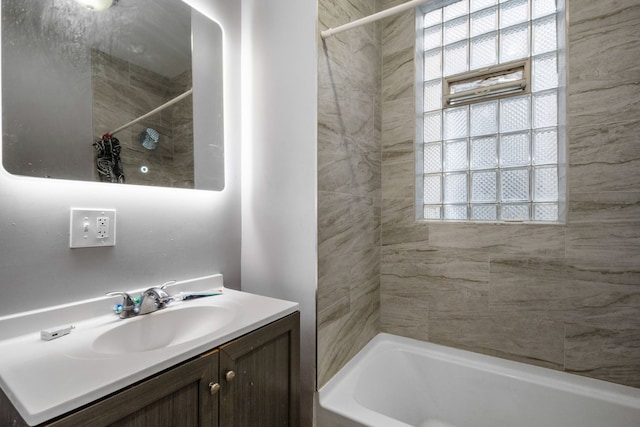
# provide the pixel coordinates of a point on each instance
(161, 329)
(103, 354)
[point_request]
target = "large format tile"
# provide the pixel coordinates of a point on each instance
(398, 130)
(333, 295)
(616, 243)
(604, 207)
(533, 239)
(334, 223)
(398, 72)
(446, 280)
(334, 170)
(365, 62)
(399, 223)
(398, 179)
(408, 317)
(607, 354)
(398, 32)
(364, 168)
(508, 335)
(602, 58)
(365, 221)
(605, 157)
(340, 340)
(591, 293)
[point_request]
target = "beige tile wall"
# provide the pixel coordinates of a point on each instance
(561, 296)
(349, 158)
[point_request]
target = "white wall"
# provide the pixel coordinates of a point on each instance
(162, 234)
(279, 237)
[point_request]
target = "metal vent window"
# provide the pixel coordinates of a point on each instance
(490, 130)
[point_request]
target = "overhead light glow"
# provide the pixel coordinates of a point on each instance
(96, 5)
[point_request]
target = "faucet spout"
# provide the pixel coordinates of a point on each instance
(153, 299)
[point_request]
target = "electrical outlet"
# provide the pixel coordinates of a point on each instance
(102, 227)
(92, 227)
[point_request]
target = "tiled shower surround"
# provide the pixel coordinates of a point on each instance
(123, 92)
(562, 296)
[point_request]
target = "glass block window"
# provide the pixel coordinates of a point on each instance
(491, 153)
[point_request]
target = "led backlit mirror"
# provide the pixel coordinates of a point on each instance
(130, 94)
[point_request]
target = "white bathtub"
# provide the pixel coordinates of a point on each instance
(400, 382)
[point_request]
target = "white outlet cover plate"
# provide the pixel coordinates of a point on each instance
(83, 228)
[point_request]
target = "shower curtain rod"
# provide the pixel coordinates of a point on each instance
(372, 18)
(154, 111)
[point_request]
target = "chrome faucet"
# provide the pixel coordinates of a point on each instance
(153, 299)
(129, 308)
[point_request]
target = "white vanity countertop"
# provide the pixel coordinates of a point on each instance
(45, 379)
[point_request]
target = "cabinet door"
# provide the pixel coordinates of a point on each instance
(181, 396)
(260, 374)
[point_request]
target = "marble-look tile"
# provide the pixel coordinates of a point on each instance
(608, 354)
(398, 179)
(398, 130)
(602, 58)
(340, 340)
(365, 63)
(364, 170)
(334, 223)
(345, 278)
(611, 242)
(359, 123)
(333, 303)
(110, 108)
(334, 171)
(399, 224)
(398, 73)
(447, 280)
(364, 273)
(591, 293)
(509, 335)
(398, 32)
(408, 317)
(333, 69)
(331, 123)
(349, 182)
(149, 81)
(604, 207)
(529, 239)
(182, 112)
(605, 157)
(364, 216)
(180, 83)
(145, 101)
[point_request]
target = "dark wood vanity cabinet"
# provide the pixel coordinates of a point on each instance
(265, 375)
(252, 381)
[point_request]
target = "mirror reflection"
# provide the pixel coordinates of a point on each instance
(104, 90)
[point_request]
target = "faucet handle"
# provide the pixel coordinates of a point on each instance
(127, 300)
(128, 305)
(165, 284)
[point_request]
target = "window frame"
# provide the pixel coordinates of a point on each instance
(560, 90)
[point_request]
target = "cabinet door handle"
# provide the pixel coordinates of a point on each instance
(230, 376)
(214, 388)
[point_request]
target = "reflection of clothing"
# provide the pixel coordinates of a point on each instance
(108, 159)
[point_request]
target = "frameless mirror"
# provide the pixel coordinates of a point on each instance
(129, 94)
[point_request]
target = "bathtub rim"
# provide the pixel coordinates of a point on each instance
(337, 395)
